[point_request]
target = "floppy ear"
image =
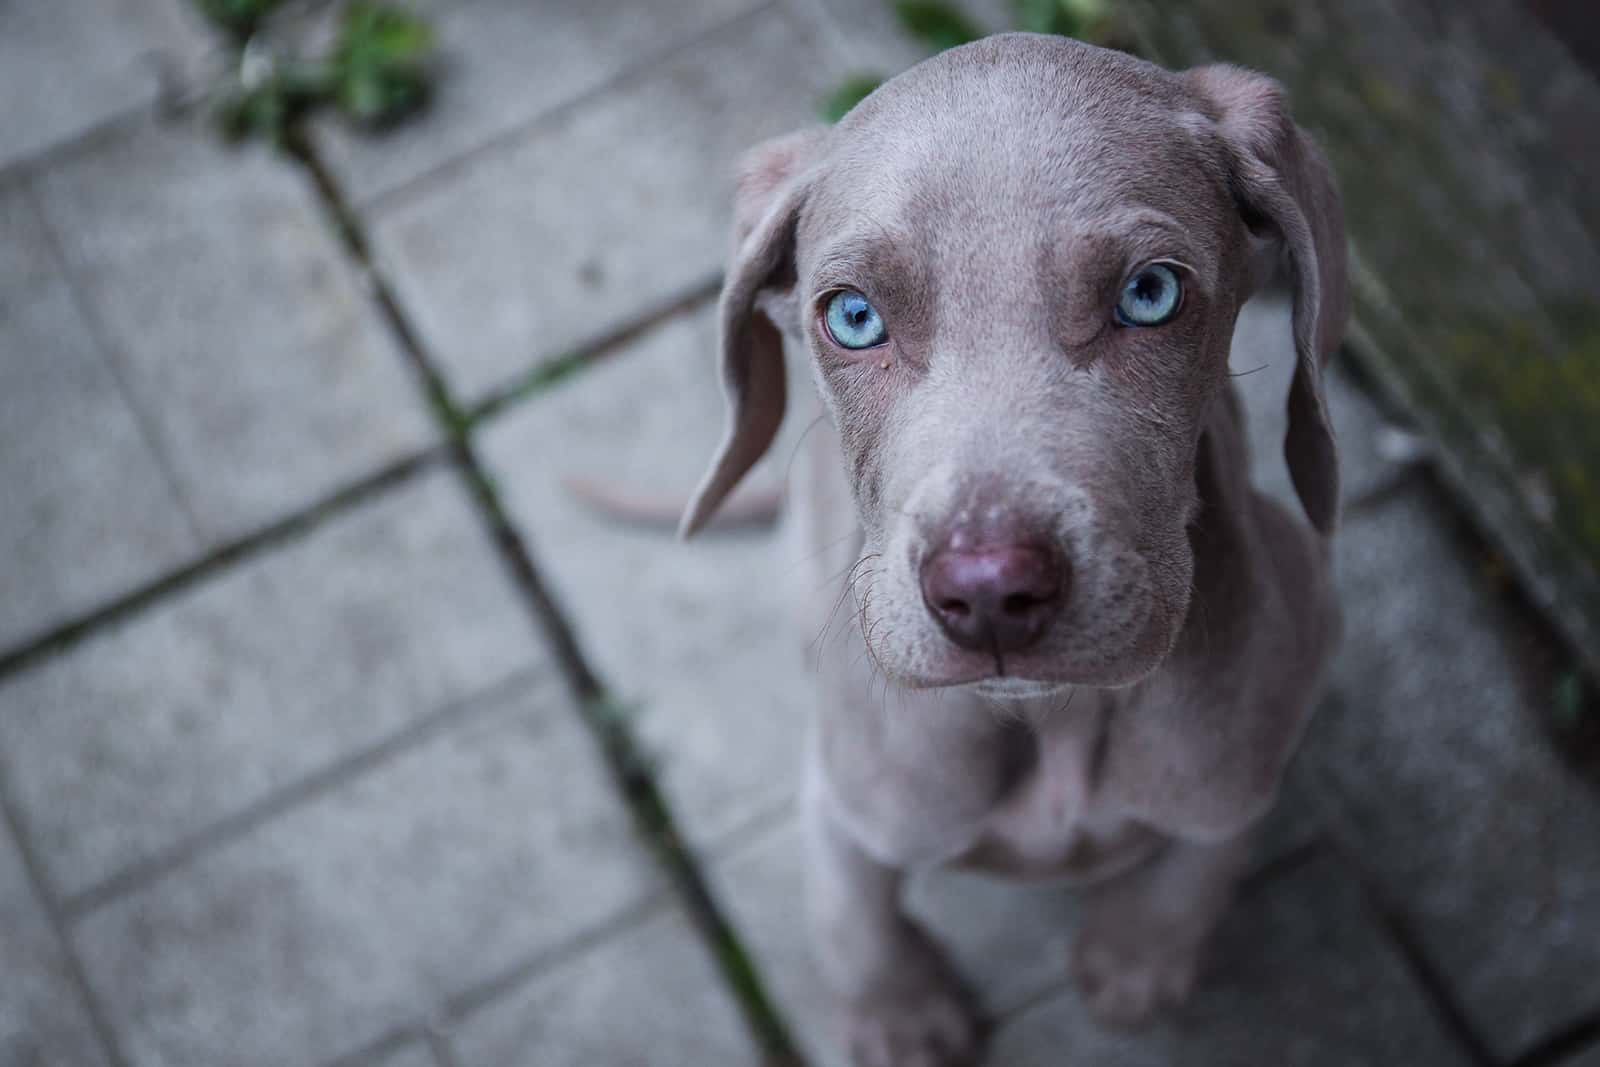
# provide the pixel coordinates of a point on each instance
(1285, 190)
(772, 187)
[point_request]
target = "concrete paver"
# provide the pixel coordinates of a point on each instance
(695, 637)
(415, 1054)
(67, 65)
(1447, 787)
(505, 62)
(89, 512)
(374, 904)
(1298, 976)
(43, 1020)
(155, 728)
(238, 324)
(1263, 361)
(648, 995)
(631, 211)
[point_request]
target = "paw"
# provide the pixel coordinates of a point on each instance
(1127, 976)
(930, 1025)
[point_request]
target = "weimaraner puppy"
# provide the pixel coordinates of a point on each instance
(1082, 646)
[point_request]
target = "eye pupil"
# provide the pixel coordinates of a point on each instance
(1150, 298)
(853, 322)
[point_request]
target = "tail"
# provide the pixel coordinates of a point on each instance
(752, 507)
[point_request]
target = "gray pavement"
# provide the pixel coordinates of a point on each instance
(301, 763)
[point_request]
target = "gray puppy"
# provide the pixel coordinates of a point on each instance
(1014, 271)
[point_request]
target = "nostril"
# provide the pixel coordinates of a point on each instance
(1021, 604)
(998, 597)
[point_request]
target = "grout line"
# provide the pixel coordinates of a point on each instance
(1566, 1044)
(303, 789)
(458, 1007)
(1393, 926)
(1391, 487)
(63, 636)
(461, 1006)
(504, 140)
(1281, 866)
(33, 867)
(689, 299)
(439, 1046)
(382, 1046)
(62, 150)
(651, 813)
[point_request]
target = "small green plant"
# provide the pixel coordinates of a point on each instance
(238, 18)
(1569, 702)
(940, 25)
(848, 94)
(376, 73)
(936, 24)
(1086, 20)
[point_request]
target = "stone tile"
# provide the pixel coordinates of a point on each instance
(416, 1054)
(602, 214)
(367, 908)
(1446, 787)
(42, 1017)
(1589, 1057)
(1263, 362)
(88, 512)
(695, 636)
(649, 995)
(1299, 976)
(504, 62)
(67, 65)
(317, 649)
(238, 324)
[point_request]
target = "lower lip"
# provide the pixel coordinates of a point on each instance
(1016, 689)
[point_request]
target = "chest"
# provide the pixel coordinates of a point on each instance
(1053, 822)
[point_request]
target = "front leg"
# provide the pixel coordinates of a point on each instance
(1143, 933)
(901, 1003)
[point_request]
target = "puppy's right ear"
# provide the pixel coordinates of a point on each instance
(773, 182)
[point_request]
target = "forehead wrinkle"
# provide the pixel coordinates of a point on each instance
(1141, 235)
(868, 251)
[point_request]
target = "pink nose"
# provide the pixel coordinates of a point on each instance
(998, 598)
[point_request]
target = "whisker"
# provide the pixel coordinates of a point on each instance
(844, 591)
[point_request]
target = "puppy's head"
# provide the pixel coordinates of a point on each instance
(1016, 268)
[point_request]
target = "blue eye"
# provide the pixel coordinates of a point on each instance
(1151, 297)
(853, 322)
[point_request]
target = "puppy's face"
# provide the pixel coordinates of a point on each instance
(1016, 269)
(1019, 304)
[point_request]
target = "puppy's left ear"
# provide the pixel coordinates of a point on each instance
(1285, 189)
(773, 183)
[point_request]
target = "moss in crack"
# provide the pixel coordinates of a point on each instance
(378, 72)
(939, 25)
